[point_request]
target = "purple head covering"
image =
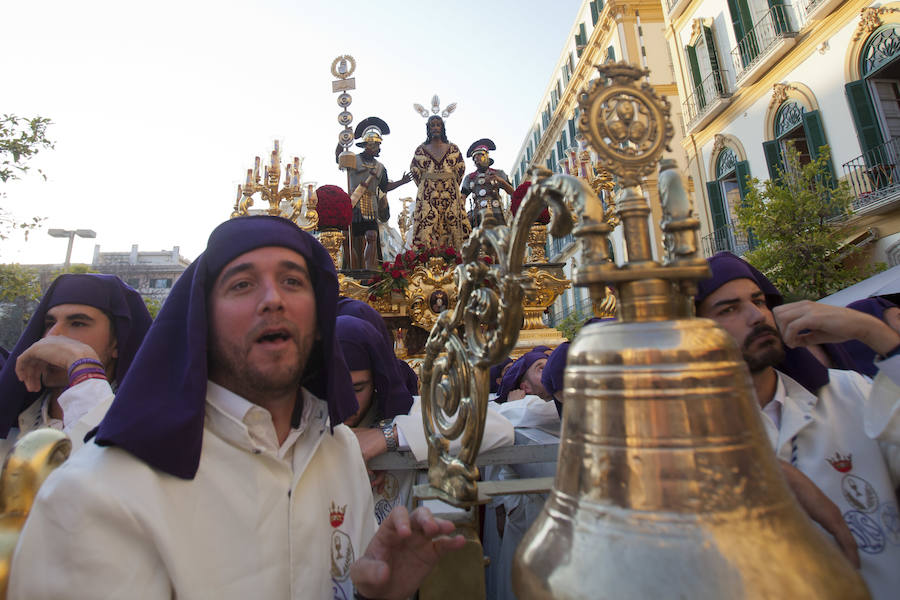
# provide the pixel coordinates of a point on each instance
(799, 363)
(400, 396)
(108, 293)
(410, 378)
(159, 408)
(552, 376)
(4, 354)
(362, 347)
(726, 267)
(495, 373)
(515, 373)
(862, 358)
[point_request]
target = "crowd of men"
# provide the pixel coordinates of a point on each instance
(221, 450)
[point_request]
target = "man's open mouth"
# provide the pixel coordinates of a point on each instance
(274, 336)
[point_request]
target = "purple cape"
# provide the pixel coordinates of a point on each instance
(105, 292)
(515, 373)
(799, 363)
(410, 378)
(495, 372)
(400, 397)
(361, 345)
(159, 408)
(554, 370)
(861, 356)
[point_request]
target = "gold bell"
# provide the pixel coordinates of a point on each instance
(666, 485)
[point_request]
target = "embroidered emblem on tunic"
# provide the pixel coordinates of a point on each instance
(869, 536)
(341, 545)
(859, 493)
(391, 487)
(890, 519)
(842, 464)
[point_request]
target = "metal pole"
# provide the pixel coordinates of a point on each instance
(69, 250)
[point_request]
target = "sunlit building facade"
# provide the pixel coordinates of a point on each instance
(602, 31)
(757, 75)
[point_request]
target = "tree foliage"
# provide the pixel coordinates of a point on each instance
(572, 324)
(153, 305)
(797, 222)
(20, 139)
(17, 282)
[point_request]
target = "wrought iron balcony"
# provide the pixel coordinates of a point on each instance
(874, 176)
(726, 239)
(707, 100)
(761, 44)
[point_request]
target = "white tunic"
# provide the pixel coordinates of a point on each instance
(846, 440)
(83, 405)
(251, 524)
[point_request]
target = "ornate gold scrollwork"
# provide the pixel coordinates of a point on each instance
(425, 280)
(489, 307)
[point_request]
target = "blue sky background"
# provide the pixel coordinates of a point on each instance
(159, 108)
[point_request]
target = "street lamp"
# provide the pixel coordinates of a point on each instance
(71, 233)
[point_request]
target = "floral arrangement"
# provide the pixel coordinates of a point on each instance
(516, 200)
(335, 211)
(393, 276)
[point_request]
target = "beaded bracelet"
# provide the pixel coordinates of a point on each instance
(82, 361)
(79, 372)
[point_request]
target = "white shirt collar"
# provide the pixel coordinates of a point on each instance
(250, 426)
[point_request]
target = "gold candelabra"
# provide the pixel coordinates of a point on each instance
(285, 200)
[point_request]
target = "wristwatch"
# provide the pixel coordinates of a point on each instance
(387, 428)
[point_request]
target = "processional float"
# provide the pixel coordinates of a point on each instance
(666, 485)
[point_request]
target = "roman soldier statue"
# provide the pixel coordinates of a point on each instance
(484, 184)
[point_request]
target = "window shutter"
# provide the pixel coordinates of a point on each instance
(863, 110)
(595, 12)
(741, 171)
(780, 16)
(721, 239)
(695, 75)
(572, 132)
(713, 59)
(815, 137)
(611, 54)
(773, 159)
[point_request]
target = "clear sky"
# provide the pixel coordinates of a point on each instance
(158, 108)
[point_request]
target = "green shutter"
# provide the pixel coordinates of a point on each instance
(780, 16)
(742, 171)
(595, 12)
(713, 59)
(815, 138)
(695, 75)
(864, 116)
(773, 159)
(611, 54)
(572, 132)
(742, 23)
(721, 239)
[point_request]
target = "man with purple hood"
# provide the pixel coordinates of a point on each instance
(834, 426)
(76, 348)
(222, 469)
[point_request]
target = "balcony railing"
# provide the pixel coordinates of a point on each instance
(705, 96)
(756, 44)
(873, 176)
(726, 239)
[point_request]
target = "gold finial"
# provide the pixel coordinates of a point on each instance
(293, 192)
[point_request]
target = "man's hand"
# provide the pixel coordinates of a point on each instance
(47, 361)
(404, 550)
(821, 510)
(516, 394)
(371, 441)
(804, 323)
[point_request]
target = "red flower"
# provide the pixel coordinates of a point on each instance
(516, 200)
(488, 260)
(451, 251)
(371, 297)
(410, 255)
(396, 274)
(334, 207)
(385, 266)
